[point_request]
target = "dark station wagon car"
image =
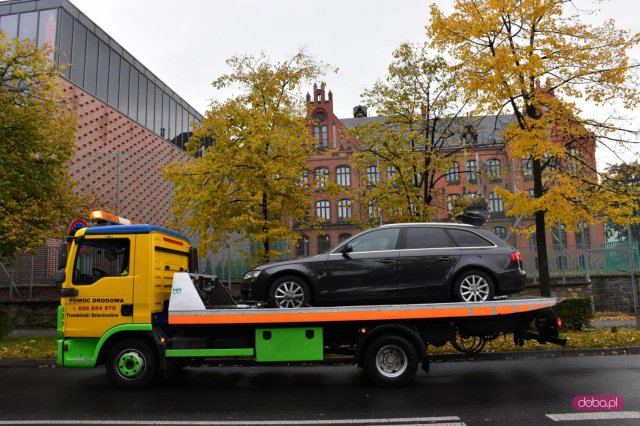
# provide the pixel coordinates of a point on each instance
(399, 263)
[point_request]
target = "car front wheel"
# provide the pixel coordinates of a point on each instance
(474, 286)
(289, 292)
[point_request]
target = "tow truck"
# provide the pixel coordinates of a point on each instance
(132, 299)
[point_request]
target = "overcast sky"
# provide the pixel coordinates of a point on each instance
(186, 42)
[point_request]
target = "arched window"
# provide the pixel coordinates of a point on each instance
(494, 171)
(344, 210)
(324, 243)
(323, 210)
(323, 138)
(303, 246)
(343, 176)
(322, 174)
(372, 174)
(496, 203)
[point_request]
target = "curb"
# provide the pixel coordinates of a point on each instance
(482, 356)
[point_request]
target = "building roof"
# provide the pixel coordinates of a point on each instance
(478, 131)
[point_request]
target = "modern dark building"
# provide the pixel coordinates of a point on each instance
(130, 122)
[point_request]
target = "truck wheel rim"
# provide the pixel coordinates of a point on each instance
(474, 288)
(289, 294)
(391, 361)
(130, 364)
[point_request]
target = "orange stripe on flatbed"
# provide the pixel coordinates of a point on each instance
(522, 308)
(318, 317)
(482, 311)
(537, 306)
(508, 309)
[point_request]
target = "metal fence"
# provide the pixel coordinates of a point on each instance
(31, 272)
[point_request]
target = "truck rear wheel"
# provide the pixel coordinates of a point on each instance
(131, 364)
(390, 361)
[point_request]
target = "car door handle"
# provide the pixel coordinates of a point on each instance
(445, 259)
(388, 261)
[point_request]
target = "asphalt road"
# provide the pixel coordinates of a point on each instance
(506, 392)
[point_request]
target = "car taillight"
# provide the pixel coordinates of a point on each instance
(516, 256)
(559, 323)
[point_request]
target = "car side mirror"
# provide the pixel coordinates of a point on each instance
(61, 276)
(348, 248)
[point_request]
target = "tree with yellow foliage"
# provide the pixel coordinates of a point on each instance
(246, 181)
(37, 136)
(503, 49)
(413, 143)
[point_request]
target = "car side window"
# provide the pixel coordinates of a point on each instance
(379, 240)
(468, 239)
(97, 258)
(427, 237)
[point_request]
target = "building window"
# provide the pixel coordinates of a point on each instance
(583, 230)
(472, 171)
(47, 28)
(372, 174)
(450, 200)
(343, 176)
(391, 172)
(341, 142)
(496, 202)
(29, 26)
(9, 23)
(303, 246)
(373, 210)
(494, 171)
(344, 210)
(531, 193)
(573, 160)
(323, 211)
(324, 243)
(453, 173)
(500, 232)
(322, 174)
(323, 140)
(527, 168)
(316, 134)
(304, 179)
(559, 237)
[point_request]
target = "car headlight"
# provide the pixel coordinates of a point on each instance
(251, 275)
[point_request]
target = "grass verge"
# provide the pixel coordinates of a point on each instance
(20, 347)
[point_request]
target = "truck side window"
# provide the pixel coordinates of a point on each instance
(98, 258)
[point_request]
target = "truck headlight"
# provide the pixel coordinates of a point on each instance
(251, 275)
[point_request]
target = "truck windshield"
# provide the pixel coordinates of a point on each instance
(97, 258)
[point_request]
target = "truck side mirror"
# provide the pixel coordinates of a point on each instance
(62, 255)
(61, 276)
(193, 260)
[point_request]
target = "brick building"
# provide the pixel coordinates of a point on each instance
(477, 168)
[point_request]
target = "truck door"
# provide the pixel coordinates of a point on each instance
(101, 286)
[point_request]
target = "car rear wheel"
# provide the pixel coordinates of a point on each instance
(289, 292)
(474, 286)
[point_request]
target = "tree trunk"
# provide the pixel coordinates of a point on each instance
(265, 228)
(541, 234)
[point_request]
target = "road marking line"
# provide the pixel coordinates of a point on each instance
(413, 421)
(597, 415)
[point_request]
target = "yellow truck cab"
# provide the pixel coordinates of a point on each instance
(116, 279)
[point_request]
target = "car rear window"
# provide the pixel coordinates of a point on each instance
(423, 237)
(468, 239)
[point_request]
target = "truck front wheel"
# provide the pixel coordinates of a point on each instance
(131, 364)
(390, 361)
